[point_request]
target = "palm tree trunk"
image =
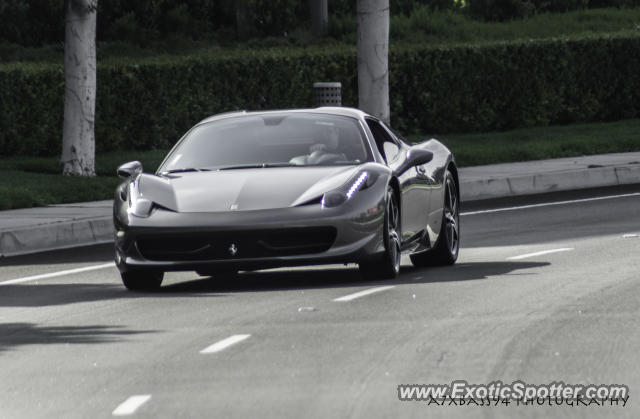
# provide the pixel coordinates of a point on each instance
(78, 137)
(373, 60)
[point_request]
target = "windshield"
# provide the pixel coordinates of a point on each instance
(270, 140)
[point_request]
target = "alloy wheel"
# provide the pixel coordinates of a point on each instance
(451, 217)
(393, 238)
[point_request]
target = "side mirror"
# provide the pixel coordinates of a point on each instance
(415, 157)
(129, 169)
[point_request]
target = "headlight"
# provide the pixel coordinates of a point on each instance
(348, 190)
(357, 184)
(333, 199)
(142, 208)
(138, 206)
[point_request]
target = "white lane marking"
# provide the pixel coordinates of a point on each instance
(549, 204)
(59, 273)
(363, 293)
(129, 406)
(544, 252)
(630, 236)
(224, 343)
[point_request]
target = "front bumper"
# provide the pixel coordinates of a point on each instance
(357, 227)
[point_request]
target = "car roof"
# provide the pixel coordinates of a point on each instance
(325, 110)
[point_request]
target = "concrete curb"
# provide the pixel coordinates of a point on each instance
(98, 229)
(56, 236)
(529, 184)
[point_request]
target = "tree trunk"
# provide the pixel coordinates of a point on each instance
(319, 18)
(78, 137)
(373, 60)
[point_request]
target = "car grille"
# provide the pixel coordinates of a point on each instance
(235, 245)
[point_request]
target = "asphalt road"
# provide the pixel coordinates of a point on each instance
(540, 294)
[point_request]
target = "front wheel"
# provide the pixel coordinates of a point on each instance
(445, 252)
(142, 280)
(388, 265)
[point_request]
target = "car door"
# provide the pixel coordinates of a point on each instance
(414, 195)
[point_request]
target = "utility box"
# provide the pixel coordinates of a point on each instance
(328, 93)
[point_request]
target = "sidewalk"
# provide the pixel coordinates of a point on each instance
(70, 225)
(55, 227)
(542, 176)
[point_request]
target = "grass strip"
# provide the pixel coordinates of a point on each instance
(35, 181)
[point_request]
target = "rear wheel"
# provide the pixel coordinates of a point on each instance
(142, 280)
(388, 265)
(445, 252)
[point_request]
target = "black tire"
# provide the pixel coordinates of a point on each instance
(387, 266)
(446, 250)
(142, 280)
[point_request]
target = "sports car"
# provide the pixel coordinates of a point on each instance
(256, 190)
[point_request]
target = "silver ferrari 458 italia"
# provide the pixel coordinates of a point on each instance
(255, 190)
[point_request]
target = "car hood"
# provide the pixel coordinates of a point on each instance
(242, 189)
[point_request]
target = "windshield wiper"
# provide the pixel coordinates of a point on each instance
(255, 166)
(185, 169)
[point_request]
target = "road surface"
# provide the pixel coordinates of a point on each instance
(543, 291)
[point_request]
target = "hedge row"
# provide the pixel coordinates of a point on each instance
(502, 10)
(41, 22)
(433, 90)
(516, 85)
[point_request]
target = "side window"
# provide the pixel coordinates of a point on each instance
(391, 150)
(385, 143)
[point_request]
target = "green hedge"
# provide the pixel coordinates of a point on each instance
(433, 90)
(517, 84)
(503, 10)
(41, 22)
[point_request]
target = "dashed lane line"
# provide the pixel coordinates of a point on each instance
(359, 294)
(129, 406)
(541, 253)
(224, 344)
